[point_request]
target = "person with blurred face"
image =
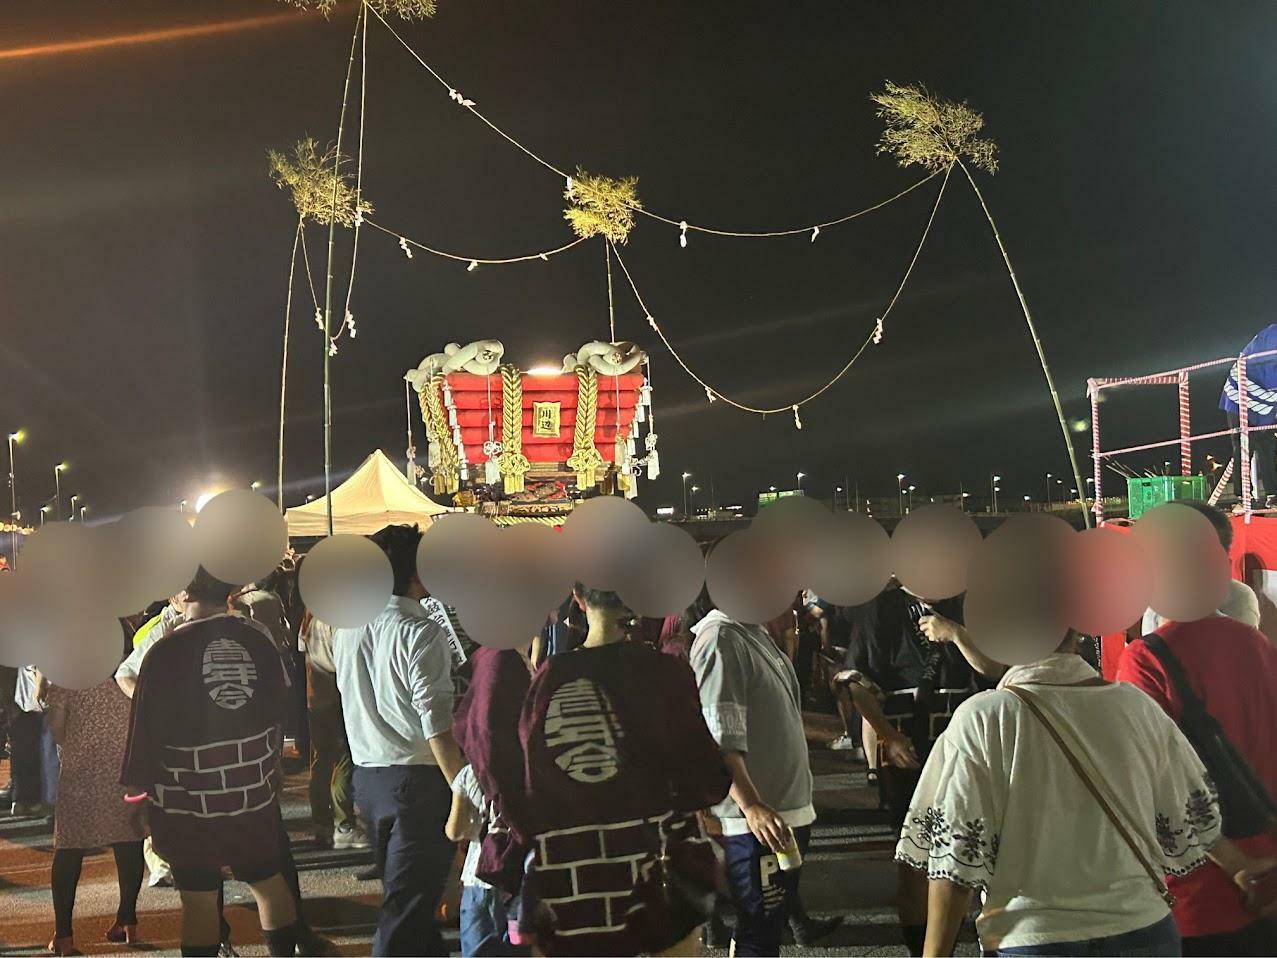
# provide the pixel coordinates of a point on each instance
(617, 763)
(1231, 669)
(204, 741)
(750, 698)
(395, 680)
(1022, 796)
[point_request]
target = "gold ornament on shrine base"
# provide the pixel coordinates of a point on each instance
(601, 206)
(924, 130)
(311, 178)
(445, 477)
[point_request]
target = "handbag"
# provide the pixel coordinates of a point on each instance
(1156, 876)
(1245, 807)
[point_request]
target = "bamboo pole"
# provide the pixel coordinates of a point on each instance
(1037, 344)
(328, 284)
(283, 365)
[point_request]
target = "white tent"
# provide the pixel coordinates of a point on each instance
(375, 496)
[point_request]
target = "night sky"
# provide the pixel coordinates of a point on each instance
(144, 250)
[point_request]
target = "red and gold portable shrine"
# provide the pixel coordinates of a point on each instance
(540, 437)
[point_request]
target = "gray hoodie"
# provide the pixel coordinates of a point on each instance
(751, 701)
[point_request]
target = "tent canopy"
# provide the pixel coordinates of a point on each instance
(375, 496)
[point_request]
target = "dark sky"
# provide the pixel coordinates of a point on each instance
(144, 251)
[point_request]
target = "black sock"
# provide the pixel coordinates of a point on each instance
(200, 951)
(915, 937)
(282, 941)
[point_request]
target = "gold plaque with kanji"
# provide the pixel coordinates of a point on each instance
(545, 419)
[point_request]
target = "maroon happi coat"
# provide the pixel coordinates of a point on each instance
(486, 727)
(204, 742)
(617, 759)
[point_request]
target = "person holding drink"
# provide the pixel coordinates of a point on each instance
(751, 700)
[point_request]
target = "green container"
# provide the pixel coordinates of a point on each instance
(1146, 492)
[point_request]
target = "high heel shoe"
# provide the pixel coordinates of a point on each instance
(63, 946)
(123, 934)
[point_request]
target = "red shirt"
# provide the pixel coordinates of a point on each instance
(1233, 670)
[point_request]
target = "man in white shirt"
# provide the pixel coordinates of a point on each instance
(395, 679)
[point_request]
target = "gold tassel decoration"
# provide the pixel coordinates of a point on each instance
(586, 459)
(514, 464)
(445, 478)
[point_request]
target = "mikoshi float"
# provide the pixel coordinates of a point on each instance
(516, 444)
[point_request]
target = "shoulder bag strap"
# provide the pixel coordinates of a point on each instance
(1159, 881)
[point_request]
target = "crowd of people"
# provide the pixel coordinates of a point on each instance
(625, 786)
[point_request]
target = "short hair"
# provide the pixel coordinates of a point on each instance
(1219, 522)
(399, 543)
(206, 587)
(599, 598)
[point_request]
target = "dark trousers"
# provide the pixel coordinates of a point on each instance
(1259, 938)
(1263, 446)
(65, 878)
(34, 756)
(762, 893)
(406, 807)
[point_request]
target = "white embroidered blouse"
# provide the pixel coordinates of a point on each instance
(999, 808)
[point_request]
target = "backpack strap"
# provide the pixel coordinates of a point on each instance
(1189, 701)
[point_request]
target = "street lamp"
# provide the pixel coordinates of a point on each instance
(43, 511)
(837, 492)
(83, 510)
(1048, 490)
(181, 506)
(15, 438)
(74, 500)
(994, 489)
(57, 485)
(695, 490)
(962, 504)
(686, 476)
(900, 498)
(255, 485)
(800, 480)
(911, 489)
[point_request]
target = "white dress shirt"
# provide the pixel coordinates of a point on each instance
(395, 678)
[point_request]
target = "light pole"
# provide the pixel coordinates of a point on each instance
(993, 492)
(686, 476)
(57, 485)
(181, 506)
(900, 497)
(255, 486)
(800, 480)
(695, 490)
(962, 500)
(1048, 491)
(911, 489)
(83, 510)
(74, 500)
(838, 491)
(43, 511)
(15, 438)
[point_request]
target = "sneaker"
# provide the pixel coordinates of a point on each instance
(350, 837)
(843, 743)
(808, 930)
(312, 944)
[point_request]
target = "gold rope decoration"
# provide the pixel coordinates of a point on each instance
(586, 459)
(445, 477)
(514, 464)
